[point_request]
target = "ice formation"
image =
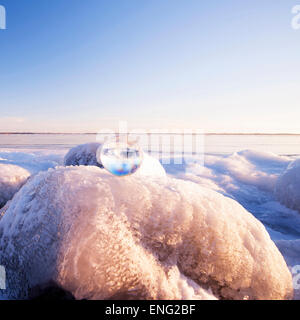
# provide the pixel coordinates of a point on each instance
(86, 154)
(246, 167)
(83, 154)
(247, 171)
(34, 161)
(151, 167)
(103, 237)
(12, 178)
(287, 189)
(291, 251)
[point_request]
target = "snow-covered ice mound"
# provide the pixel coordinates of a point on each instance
(241, 175)
(151, 167)
(32, 161)
(253, 168)
(86, 154)
(12, 178)
(83, 154)
(99, 236)
(291, 251)
(287, 189)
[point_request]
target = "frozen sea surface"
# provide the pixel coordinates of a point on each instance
(213, 144)
(244, 168)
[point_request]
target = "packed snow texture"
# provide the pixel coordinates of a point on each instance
(287, 188)
(12, 178)
(103, 237)
(86, 154)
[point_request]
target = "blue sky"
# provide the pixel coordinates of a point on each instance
(79, 66)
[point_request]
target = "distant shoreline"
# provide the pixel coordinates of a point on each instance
(176, 133)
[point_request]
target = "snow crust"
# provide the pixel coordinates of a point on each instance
(101, 237)
(12, 179)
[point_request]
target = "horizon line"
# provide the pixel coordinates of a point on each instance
(179, 133)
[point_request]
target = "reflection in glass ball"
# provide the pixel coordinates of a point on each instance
(120, 156)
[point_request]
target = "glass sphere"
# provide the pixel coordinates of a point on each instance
(120, 155)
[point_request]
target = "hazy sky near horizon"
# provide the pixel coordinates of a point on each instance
(220, 66)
